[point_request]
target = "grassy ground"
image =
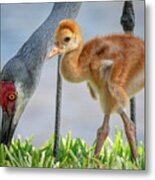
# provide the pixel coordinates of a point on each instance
(74, 153)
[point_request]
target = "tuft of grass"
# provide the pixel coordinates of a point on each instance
(73, 153)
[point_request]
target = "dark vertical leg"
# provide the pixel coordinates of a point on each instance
(130, 133)
(102, 134)
(128, 24)
(128, 17)
(133, 110)
(72, 13)
(58, 113)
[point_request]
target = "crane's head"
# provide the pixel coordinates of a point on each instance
(8, 96)
(67, 37)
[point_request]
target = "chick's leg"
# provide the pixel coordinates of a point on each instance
(102, 134)
(122, 99)
(130, 133)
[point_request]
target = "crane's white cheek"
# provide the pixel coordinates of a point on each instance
(20, 104)
(19, 110)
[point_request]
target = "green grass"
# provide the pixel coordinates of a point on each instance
(74, 153)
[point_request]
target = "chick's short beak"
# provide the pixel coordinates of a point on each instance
(55, 51)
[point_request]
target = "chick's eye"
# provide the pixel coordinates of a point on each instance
(67, 39)
(12, 97)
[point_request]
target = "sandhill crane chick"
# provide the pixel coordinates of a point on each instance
(113, 67)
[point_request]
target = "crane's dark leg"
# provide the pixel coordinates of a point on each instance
(102, 134)
(58, 113)
(133, 109)
(130, 133)
(128, 24)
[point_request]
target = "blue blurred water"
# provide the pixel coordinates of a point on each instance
(80, 113)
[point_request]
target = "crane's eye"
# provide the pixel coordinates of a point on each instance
(67, 39)
(12, 97)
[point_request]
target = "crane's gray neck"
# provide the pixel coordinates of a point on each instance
(35, 50)
(25, 67)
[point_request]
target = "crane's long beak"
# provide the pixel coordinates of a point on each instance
(6, 128)
(55, 51)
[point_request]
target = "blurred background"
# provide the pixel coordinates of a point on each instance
(80, 114)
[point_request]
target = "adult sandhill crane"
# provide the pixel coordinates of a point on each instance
(20, 76)
(113, 67)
